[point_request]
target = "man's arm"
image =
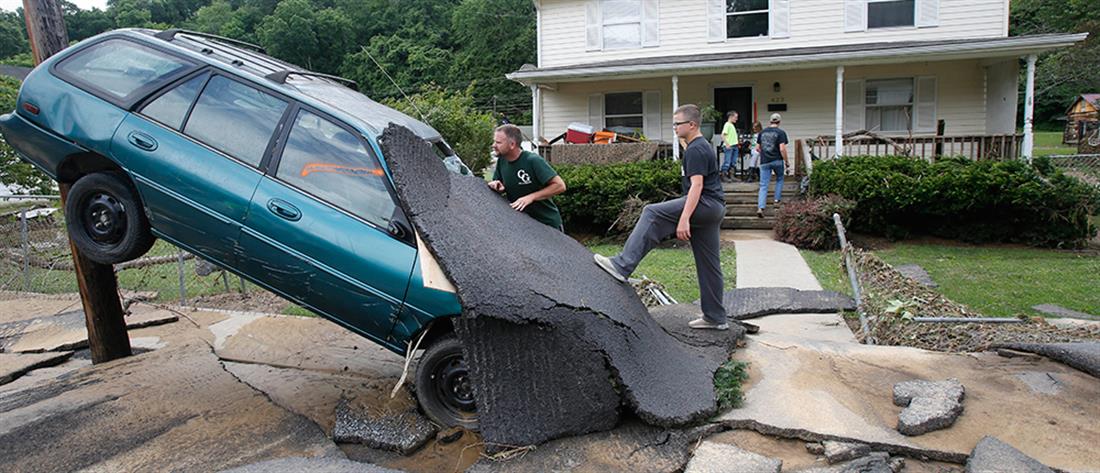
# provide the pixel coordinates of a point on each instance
(683, 228)
(554, 187)
(783, 152)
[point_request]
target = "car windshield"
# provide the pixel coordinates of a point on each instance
(450, 159)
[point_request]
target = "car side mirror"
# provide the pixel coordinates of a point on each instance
(399, 229)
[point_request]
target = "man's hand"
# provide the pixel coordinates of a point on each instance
(522, 202)
(496, 186)
(683, 230)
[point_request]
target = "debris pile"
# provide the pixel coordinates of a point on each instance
(929, 405)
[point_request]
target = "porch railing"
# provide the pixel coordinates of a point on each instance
(976, 147)
(664, 152)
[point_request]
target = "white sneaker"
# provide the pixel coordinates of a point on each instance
(605, 264)
(703, 324)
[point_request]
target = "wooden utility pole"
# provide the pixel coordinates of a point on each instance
(103, 313)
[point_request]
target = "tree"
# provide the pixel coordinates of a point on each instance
(13, 35)
(409, 63)
(493, 38)
(299, 34)
(467, 130)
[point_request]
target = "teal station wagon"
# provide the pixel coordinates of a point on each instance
(268, 170)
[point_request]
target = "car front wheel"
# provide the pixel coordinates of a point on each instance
(105, 219)
(443, 385)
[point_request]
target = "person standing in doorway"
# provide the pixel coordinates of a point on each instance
(695, 217)
(772, 144)
(731, 144)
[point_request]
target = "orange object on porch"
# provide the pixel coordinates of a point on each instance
(604, 137)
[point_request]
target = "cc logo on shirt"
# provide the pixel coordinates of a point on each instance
(523, 177)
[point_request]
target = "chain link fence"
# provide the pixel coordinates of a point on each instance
(35, 258)
(1085, 167)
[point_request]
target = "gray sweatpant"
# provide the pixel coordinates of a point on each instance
(658, 222)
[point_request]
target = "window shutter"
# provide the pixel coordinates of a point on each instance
(653, 115)
(593, 26)
(855, 15)
(651, 27)
(853, 105)
(779, 19)
(716, 21)
(928, 13)
(595, 111)
(924, 108)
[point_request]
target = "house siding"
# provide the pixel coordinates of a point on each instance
(812, 23)
(809, 95)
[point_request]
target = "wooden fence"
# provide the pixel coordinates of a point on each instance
(977, 147)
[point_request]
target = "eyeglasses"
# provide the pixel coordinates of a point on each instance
(676, 124)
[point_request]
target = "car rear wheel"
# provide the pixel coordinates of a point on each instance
(443, 385)
(105, 219)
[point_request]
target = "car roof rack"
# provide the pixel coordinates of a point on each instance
(281, 76)
(170, 34)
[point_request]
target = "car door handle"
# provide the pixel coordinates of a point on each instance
(284, 209)
(142, 140)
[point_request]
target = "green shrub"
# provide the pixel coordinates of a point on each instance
(596, 192)
(454, 115)
(808, 223)
(727, 383)
(983, 201)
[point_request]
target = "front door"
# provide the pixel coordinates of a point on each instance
(321, 228)
(738, 99)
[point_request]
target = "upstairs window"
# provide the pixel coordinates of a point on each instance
(890, 13)
(621, 24)
(746, 18)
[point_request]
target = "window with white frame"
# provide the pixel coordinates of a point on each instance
(622, 23)
(624, 109)
(889, 104)
(890, 13)
(746, 18)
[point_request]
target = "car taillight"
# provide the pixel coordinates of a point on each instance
(30, 107)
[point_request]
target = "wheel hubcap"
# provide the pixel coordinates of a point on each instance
(105, 219)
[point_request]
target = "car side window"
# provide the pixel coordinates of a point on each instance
(235, 119)
(171, 107)
(326, 160)
(119, 68)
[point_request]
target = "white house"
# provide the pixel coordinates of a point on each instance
(898, 67)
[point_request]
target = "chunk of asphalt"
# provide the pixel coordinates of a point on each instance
(994, 456)
(876, 462)
(312, 465)
(396, 428)
(716, 344)
(929, 405)
(751, 302)
(1084, 356)
(916, 273)
(14, 365)
(836, 452)
(1059, 311)
(714, 457)
(511, 269)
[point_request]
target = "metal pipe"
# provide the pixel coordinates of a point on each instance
(30, 197)
(26, 243)
(852, 277)
(183, 286)
(968, 320)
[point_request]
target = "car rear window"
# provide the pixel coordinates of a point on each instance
(119, 68)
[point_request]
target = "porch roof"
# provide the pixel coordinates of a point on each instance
(800, 58)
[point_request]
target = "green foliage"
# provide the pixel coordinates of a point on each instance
(406, 61)
(986, 201)
(808, 223)
(467, 130)
(13, 171)
(13, 37)
(596, 193)
(727, 384)
(298, 33)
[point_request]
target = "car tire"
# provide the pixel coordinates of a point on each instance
(105, 218)
(443, 386)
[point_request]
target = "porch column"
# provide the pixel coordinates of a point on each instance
(675, 105)
(839, 111)
(1029, 109)
(536, 110)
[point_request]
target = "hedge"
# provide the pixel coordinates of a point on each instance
(974, 201)
(808, 223)
(595, 194)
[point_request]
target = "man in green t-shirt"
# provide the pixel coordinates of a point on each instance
(730, 143)
(526, 178)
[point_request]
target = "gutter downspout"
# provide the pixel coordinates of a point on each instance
(1029, 109)
(839, 111)
(675, 105)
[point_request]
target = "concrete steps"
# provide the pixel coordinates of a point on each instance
(741, 204)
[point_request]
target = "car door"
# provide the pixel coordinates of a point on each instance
(327, 204)
(195, 152)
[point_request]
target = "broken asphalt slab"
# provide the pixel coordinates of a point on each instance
(1084, 356)
(714, 457)
(173, 409)
(917, 273)
(821, 390)
(549, 290)
(67, 331)
(752, 302)
(14, 365)
(1059, 311)
(633, 446)
(877, 462)
(716, 344)
(929, 405)
(994, 456)
(312, 465)
(395, 425)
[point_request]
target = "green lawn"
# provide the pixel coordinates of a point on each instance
(995, 281)
(675, 269)
(1050, 142)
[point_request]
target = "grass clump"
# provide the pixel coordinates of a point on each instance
(727, 384)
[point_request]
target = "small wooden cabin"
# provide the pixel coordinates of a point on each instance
(1084, 110)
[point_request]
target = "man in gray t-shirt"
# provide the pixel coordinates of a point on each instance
(772, 145)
